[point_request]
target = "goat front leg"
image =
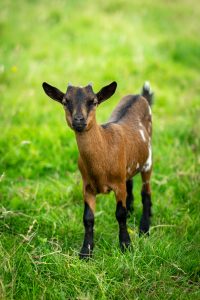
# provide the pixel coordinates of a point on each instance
(88, 221)
(146, 202)
(121, 216)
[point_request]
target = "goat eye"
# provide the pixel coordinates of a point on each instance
(91, 103)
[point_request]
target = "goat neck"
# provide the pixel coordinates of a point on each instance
(90, 141)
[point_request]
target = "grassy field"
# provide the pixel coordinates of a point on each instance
(40, 187)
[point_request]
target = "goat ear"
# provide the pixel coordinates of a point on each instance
(106, 92)
(53, 92)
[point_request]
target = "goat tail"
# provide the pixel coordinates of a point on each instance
(147, 92)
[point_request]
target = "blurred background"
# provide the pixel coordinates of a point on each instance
(84, 41)
(94, 41)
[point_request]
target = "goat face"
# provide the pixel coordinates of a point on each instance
(80, 103)
(80, 106)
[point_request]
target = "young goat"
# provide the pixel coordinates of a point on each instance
(110, 154)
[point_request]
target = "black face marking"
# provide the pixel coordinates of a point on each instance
(69, 105)
(88, 244)
(79, 101)
(121, 216)
(123, 109)
(80, 96)
(90, 105)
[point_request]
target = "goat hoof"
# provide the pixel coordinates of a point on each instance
(144, 226)
(124, 240)
(144, 230)
(141, 233)
(85, 253)
(125, 243)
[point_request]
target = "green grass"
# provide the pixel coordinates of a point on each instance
(40, 187)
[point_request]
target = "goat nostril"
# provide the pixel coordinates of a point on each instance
(78, 118)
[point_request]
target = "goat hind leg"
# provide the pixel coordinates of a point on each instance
(121, 216)
(146, 202)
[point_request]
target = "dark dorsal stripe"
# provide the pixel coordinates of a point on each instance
(122, 110)
(125, 107)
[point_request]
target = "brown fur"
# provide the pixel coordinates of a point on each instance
(107, 154)
(110, 154)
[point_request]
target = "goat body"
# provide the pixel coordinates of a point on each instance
(114, 152)
(110, 154)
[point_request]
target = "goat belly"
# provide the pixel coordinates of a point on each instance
(103, 189)
(99, 187)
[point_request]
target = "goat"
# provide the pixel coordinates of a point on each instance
(110, 154)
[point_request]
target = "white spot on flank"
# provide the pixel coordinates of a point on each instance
(137, 166)
(148, 163)
(142, 135)
(149, 110)
(129, 170)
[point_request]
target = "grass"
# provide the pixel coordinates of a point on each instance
(40, 187)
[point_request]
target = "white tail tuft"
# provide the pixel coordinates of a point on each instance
(147, 92)
(147, 86)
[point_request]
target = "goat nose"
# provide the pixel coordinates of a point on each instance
(78, 118)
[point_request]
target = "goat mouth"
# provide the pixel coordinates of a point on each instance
(79, 127)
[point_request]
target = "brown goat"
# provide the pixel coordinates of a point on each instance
(110, 154)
